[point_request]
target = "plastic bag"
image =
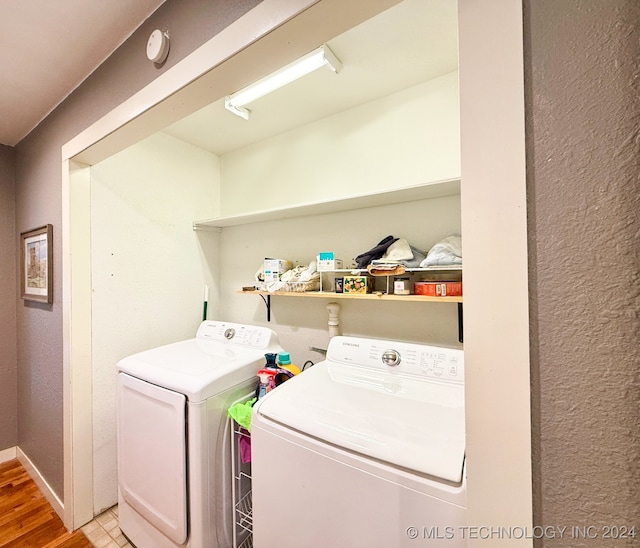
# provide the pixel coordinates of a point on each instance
(447, 252)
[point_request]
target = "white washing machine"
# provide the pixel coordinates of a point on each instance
(365, 449)
(174, 455)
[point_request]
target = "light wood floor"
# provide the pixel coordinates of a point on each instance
(26, 518)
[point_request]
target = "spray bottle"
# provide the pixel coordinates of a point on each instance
(266, 376)
(266, 381)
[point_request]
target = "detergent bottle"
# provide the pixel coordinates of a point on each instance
(284, 362)
(271, 360)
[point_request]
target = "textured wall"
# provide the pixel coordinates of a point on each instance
(8, 296)
(38, 201)
(583, 113)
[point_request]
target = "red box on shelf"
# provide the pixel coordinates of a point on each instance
(438, 289)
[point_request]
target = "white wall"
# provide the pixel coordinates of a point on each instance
(407, 138)
(149, 268)
(302, 322)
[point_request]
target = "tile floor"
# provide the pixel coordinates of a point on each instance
(103, 531)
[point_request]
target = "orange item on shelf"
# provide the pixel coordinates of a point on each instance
(438, 289)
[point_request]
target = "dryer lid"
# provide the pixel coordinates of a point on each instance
(410, 422)
(221, 356)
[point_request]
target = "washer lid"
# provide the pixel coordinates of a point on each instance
(404, 420)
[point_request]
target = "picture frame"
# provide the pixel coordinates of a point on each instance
(36, 264)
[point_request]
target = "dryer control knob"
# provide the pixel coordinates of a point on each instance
(390, 358)
(229, 333)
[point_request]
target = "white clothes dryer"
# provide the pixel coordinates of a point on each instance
(174, 454)
(365, 449)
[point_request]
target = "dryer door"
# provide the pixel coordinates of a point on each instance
(152, 468)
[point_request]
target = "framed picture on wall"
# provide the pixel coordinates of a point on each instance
(36, 264)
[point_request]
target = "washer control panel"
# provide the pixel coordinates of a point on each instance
(236, 334)
(435, 362)
(441, 365)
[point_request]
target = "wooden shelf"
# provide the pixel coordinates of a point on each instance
(361, 296)
(266, 297)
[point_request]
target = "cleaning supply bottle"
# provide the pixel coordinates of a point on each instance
(266, 383)
(266, 375)
(271, 360)
(284, 362)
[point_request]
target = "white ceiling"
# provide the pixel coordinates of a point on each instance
(41, 63)
(49, 48)
(411, 43)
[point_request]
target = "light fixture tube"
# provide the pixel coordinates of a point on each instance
(301, 67)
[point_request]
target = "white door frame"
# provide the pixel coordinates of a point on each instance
(494, 228)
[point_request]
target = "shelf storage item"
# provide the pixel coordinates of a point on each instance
(387, 293)
(375, 296)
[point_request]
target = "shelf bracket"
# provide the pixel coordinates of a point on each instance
(267, 303)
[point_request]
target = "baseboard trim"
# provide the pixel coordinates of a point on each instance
(42, 484)
(8, 454)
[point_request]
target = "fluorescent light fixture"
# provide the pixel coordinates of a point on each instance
(303, 66)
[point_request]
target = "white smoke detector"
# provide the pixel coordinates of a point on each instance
(158, 46)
